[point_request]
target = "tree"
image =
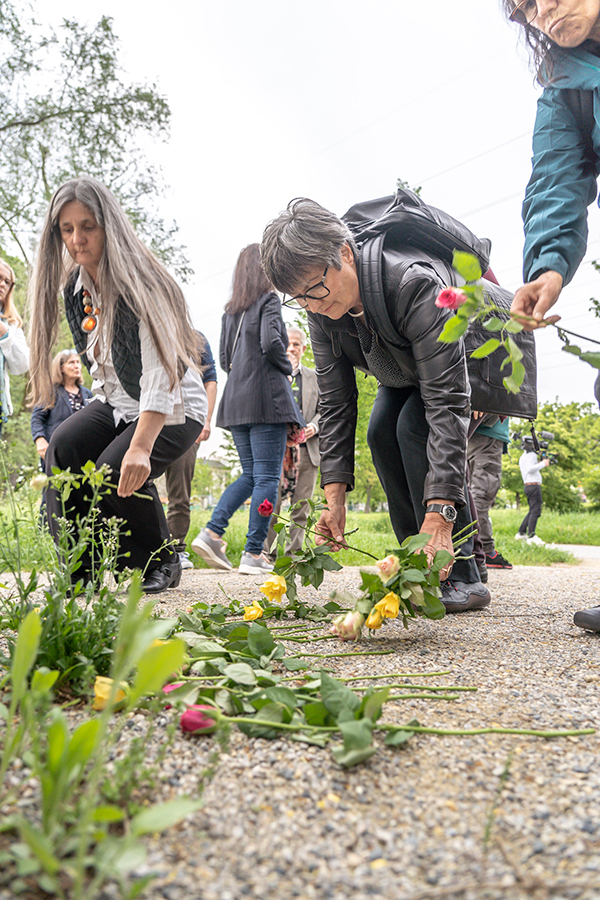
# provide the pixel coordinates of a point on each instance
(367, 485)
(67, 111)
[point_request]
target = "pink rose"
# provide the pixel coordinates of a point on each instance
(348, 627)
(450, 298)
(265, 509)
(388, 567)
(195, 721)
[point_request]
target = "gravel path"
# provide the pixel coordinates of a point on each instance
(488, 817)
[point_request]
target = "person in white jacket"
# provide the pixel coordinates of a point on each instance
(14, 354)
(531, 473)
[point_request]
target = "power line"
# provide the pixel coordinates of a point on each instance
(473, 158)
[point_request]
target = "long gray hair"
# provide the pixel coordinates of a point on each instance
(127, 271)
(303, 236)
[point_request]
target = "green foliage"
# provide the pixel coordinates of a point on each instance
(68, 110)
(367, 487)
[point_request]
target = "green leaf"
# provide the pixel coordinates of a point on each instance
(58, 736)
(260, 641)
(486, 349)
(336, 696)
(42, 680)
(83, 742)
(513, 349)
(40, 845)
(453, 329)
(466, 265)
(372, 703)
(201, 647)
(104, 814)
(358, 743)
(241, 673)
(592, 358)
(282, 695)
(163, 815)
(293, 664)
(514, 381)
(415, 542)
(513, 327)
(25, 653)
(154, 668)
(316, 713)
(493, 324)
(397, 738)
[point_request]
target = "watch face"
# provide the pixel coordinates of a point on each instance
(449, 513)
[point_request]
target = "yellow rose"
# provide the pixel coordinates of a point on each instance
(102, 691)
(375, 619)
(274, 588)
(253, 612)
(389, 605)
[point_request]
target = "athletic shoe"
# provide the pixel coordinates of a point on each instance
(495, 560)
(536, 541)
(588, 618)
(519, 536)
(250, 565)
(184, 559)
(458, 596)
(211, 550)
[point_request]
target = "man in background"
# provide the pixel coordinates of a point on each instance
(484, 456)
(298, 481)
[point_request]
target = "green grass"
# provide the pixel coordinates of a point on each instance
(375, 536)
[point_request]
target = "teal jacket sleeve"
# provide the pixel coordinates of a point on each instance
(561, 187)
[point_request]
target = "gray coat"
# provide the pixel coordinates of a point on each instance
(258, 390)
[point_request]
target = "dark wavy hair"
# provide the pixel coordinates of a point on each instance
(249, 281)
(540, 48)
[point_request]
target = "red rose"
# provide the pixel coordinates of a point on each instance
(450, 298)
(265, 509)
(195, 721)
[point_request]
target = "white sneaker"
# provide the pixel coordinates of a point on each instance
(184, 559)
(250, 565)
(520, 537)
(537, 541)
(212, 550)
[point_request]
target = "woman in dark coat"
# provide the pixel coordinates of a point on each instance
(257, 406)
(71, 395)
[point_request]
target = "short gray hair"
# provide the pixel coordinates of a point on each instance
(305, 235)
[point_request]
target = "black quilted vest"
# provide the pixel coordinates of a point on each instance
(126, 348)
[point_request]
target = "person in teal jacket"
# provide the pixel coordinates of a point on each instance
(564, 39)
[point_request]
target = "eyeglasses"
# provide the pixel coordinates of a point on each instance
(524, 12)
(318, 291)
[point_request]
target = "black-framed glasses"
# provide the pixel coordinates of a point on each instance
(524, 12)
(318, 291)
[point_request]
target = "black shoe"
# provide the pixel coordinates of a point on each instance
(162, 578)
(495, 560)
(458, 596)
(483, 572)
(588, 618)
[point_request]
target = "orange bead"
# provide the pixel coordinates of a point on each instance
(89, 323)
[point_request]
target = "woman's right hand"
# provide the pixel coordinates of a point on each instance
(41, 445)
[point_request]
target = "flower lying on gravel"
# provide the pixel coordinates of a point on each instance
(348, 627)
(388, 567)
(450, 298)
(375, 619)
(274, 588)
(253, 612)
(389, 606)
(195, 720)
(102, 691)
(265, 508)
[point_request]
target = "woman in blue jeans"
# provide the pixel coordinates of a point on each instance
(257, 406)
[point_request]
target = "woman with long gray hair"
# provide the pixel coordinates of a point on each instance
(132, 328)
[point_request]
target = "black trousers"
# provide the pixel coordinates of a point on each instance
(397, 436)
(533, 492)
(91, 434)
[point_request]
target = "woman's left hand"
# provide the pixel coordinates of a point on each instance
(135, 470)
(441, 539)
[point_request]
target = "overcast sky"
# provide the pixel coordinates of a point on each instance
(334, 100)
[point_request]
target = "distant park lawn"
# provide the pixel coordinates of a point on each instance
(375, 535)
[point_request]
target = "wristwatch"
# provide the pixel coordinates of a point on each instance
(448, 512)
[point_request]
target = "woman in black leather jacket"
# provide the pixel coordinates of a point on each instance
(418, 427)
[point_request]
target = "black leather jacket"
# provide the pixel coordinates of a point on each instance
(411, 281)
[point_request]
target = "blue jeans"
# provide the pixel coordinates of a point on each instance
(261, 449)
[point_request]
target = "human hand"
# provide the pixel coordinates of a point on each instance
(135, 469)
(477, 414)
(534, 299)
(331, 524)
(440, 538)
(41, 445)
(309, 431)
(204, 434)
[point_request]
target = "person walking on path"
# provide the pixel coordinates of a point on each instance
(301, 485)
(178, 476)
(484, 456)
(14, 353)
(257, 406)
(563, 37)
(531, 473)
(131, 325)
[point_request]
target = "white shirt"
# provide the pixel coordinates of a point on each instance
(531, 468)
(187, 399)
